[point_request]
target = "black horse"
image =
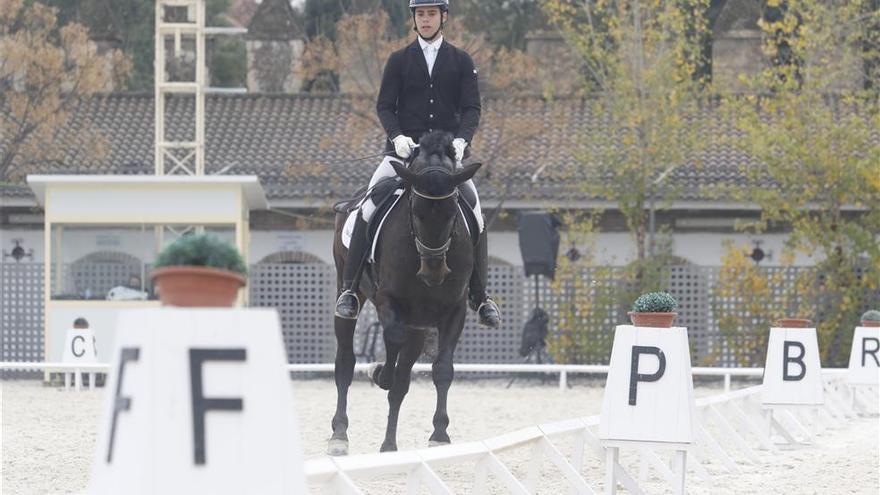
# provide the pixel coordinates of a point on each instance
(418, 281)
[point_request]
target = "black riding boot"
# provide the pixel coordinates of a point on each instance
(348, 306)
(479, 301)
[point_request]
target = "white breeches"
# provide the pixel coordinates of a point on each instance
(386, 170)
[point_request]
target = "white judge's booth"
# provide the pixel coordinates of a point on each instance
(102, 236)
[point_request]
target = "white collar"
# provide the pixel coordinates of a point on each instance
(435, 44)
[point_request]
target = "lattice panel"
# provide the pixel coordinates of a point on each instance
(21, 313)
(304, 295)
(689, 285)
(482, 345)
(746, 345)
(584, 313)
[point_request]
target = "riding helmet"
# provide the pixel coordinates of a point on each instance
(443, 4)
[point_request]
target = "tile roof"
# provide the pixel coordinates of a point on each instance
(304, 146)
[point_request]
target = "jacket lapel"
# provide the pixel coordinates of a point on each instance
(442, 58)
(415, 51)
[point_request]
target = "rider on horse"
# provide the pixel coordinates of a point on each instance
(428, 85)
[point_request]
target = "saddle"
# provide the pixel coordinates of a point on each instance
(385, 194)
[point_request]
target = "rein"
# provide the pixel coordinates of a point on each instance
(434, 198)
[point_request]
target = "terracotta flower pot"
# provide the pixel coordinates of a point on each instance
(197, 286)
(793, 322)
(657, 320)
(870, 323)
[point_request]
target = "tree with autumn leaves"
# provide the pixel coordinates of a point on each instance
(643, 77)
(811, 121)
(47, 72)
(643, 63)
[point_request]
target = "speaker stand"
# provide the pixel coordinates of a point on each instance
(535, 356)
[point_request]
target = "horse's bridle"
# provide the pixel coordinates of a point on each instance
(426, 252)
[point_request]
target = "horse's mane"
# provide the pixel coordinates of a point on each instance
(436, 158)
(436, 143)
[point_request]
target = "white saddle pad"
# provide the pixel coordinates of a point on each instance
(348, 228)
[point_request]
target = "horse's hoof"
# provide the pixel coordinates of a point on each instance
(388, 447)
(373, 372)
(337, 447)
(435, 443)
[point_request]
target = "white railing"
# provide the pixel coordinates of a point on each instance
(732, 429)
(563, 370)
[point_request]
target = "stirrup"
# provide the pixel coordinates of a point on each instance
(344, 310)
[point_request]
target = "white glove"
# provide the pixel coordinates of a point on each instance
(403, 146)
(459, 144)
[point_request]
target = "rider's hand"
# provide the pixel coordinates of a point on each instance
(403, 146)
(459, 144)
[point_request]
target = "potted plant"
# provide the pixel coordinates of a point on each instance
(654, 309)
(199, 270)
(871, 318)
(793, 322)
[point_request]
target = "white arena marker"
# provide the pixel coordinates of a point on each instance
(198, 402)
(649, 394)
(864, 358)
(649, 398)
(80, 347)
(792, 373)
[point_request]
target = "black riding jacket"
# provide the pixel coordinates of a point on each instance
(412, 103)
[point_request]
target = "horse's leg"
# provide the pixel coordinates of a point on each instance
(343, 372)
(442, 372)
(410, 352)
(393, 333)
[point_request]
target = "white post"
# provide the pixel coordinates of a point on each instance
(643, 466)
(563, 380)
(679, 459)
(768, 420)
(481, 474)
(534, 470)
(611, 454)
(727, 383)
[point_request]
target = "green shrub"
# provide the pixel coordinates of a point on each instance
(655, 302)
(871, 315)
(202, 250)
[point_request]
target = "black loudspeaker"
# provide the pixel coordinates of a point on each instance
(539, 243)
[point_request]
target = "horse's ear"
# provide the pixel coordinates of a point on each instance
(466, 173)
(403, 172)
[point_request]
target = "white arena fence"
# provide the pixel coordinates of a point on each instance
(733, 430)
(75, 371)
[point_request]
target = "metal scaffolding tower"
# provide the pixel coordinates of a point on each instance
(184, 157)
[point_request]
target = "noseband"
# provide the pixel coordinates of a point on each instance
(425, 252)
